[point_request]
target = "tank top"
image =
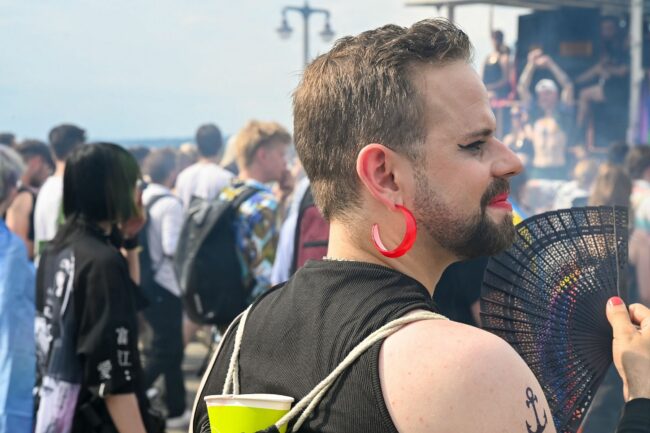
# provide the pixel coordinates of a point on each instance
(298, 333)
(493, 73)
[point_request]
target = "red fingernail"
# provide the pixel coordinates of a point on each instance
(615, 300)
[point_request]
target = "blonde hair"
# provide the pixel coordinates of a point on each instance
(229, 155)
(255, 135)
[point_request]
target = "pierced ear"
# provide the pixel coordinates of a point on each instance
(375, 168)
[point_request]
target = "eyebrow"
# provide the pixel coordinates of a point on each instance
(485, 132)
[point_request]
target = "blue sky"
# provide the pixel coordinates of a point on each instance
(159, 68)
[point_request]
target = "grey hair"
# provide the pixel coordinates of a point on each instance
(11, 169)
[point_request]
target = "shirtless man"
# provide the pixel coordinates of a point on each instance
(397, 117)
(550, 110)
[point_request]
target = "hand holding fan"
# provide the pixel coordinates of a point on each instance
(546, 296)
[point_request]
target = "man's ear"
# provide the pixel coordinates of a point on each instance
(261, 154)
(376, 165)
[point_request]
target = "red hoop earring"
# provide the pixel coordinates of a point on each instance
(407, 242)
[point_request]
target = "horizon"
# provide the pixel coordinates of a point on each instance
(157, 69)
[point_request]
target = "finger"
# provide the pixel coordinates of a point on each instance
(639, 313)
(619, 317)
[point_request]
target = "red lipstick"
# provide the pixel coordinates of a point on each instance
(501, 201)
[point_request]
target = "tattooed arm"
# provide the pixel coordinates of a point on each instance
(440, 376)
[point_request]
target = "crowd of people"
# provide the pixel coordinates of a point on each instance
(556, 116)
(74, 209)
(91, 315)
(567, 132)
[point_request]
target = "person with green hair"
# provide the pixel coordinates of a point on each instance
(86, 301)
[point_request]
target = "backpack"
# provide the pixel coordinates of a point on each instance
(207, 264)
(149, 287)
(312, 233)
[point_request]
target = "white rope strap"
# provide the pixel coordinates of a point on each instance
(311, 400)
(232, 377)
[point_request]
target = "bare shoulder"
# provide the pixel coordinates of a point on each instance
(22, 203)
(444, 376)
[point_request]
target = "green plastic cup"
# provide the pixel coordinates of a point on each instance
(246, 413)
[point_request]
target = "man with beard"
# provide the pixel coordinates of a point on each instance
(395, 125)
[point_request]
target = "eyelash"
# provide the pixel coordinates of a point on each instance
(473, 147)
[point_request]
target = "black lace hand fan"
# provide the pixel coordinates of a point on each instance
(546, 296)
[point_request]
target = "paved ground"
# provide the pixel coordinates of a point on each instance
(194, 355)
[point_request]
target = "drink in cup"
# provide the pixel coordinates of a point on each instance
(246, 413)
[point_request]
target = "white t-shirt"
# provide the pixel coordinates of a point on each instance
(164, 230)
(48, 207)
(286, 242)
(203, 179)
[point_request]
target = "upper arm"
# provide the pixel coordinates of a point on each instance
(172, 223)
(524, 95)
(107, 331)
(446, 377)
(523, 85)
(567, 94)
(18, 214)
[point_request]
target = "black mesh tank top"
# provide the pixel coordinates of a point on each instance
(297, 334)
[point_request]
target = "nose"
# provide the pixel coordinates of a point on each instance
(506, 162)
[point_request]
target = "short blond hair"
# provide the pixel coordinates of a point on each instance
(255, 135)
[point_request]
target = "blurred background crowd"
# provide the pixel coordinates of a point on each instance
(72, 212)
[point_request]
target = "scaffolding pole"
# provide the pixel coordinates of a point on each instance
(636, 67)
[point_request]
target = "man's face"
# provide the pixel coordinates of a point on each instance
(275, 161)
(37, 171)
(461, 182)
(547, 99)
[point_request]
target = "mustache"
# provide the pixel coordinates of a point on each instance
(497, 187)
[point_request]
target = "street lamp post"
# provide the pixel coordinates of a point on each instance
(306, 11)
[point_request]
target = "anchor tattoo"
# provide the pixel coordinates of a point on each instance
(532, 401)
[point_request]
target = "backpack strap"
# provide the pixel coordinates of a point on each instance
(306, 201)
(308, 403)
(145, 228)
(247, 193)
(199, 209)
(153, 201)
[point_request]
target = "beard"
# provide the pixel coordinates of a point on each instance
(466, 237)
